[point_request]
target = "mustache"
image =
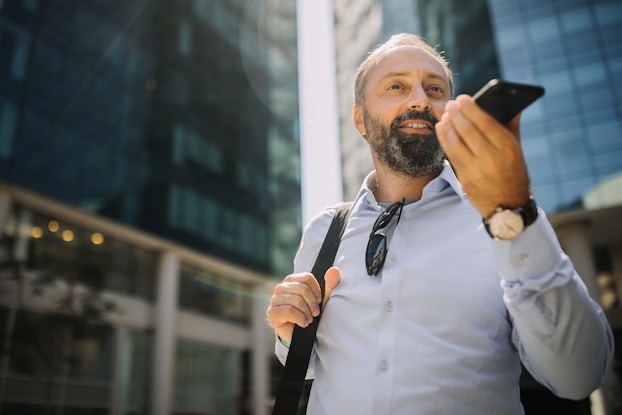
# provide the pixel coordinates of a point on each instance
(413, 115)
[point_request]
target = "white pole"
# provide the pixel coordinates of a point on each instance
(319, 116)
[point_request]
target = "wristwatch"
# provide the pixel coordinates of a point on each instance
(507, 224)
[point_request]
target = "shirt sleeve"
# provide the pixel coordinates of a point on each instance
(562, 335)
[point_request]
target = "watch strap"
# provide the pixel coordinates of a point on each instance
(529, 212)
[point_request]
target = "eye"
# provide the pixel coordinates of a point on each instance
(436, 90)
(395, 87)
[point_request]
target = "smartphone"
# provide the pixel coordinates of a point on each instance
(504, 100)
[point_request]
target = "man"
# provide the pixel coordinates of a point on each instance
(425, 312)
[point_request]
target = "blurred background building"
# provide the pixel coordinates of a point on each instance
(150, 163)
(150, 180)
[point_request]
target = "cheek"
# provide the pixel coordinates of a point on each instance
(437, 109)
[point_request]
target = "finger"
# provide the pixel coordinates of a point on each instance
(514, 125)
(279, 321)
(284, 316)
(303, 284)
(462, 116)
(497, 134)
(307, 305)
(457, 152)
(288, 308)
(331, 279)
(447, 136)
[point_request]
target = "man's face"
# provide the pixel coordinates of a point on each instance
(405, 95)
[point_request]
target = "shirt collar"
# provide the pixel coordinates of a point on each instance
(447, 177)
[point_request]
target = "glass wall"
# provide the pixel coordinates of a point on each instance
(49, 250)
(77, 322)
(162, 115)
(208, 380)
(211, 294)
(572, 137)
(55, 363)
(58, 347)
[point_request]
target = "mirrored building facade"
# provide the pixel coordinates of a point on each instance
(573, 136)
(150, 187)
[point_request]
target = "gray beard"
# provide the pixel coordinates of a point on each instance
(415, 155)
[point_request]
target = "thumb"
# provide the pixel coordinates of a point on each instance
(514, 125)
(331, 280)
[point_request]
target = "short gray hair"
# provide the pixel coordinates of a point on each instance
(402, 39)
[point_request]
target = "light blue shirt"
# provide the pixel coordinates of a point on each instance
(443, 328)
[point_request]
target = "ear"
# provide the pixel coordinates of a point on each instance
(357, 115)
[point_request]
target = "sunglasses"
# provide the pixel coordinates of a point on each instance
(376, 252)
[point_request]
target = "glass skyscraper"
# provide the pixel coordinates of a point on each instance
(572, 137)
(149, 187)
(176, 118)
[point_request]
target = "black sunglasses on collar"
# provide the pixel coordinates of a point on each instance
(376, 252)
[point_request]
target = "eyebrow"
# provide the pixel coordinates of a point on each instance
(429, 75)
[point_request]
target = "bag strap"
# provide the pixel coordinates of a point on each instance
(292, 380)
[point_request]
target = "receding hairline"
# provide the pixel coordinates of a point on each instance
(429, 74)
(396, 42)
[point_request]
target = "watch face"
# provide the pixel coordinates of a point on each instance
(506, 224)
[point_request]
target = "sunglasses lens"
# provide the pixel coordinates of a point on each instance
(375, 255)
(377, 245)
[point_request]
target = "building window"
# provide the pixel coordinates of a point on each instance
(212, 294)
(207, 379)
(184, 38)
(52, 251)
(54, 358)
(8, 120)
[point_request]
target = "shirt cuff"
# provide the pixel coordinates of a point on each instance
(280, 350)
(532, 254)
(284, 342)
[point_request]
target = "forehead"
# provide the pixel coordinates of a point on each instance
(407, 61)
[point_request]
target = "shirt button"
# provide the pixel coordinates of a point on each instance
(522, 259)
(384, 365)
(394, 257)
(388, 306)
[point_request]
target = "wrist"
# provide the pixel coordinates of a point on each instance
(508, 223)
(284, 342)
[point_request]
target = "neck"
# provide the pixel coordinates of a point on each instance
(392, 186)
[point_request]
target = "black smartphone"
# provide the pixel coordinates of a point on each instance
(504, 100)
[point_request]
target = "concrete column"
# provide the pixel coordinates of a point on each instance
(5, 207)
(575, 241)
(615, 251)
(261, 350)
(121, 368)
(164, 334)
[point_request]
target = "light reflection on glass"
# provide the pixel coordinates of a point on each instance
(67, 235)
(36, 232)
(53, 226)
(97, 238)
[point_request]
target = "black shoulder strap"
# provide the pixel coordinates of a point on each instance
(292, 380)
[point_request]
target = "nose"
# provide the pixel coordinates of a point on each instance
(418, 99)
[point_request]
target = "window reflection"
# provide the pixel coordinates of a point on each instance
(214, 295)
(207, 379)
(56, 250)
